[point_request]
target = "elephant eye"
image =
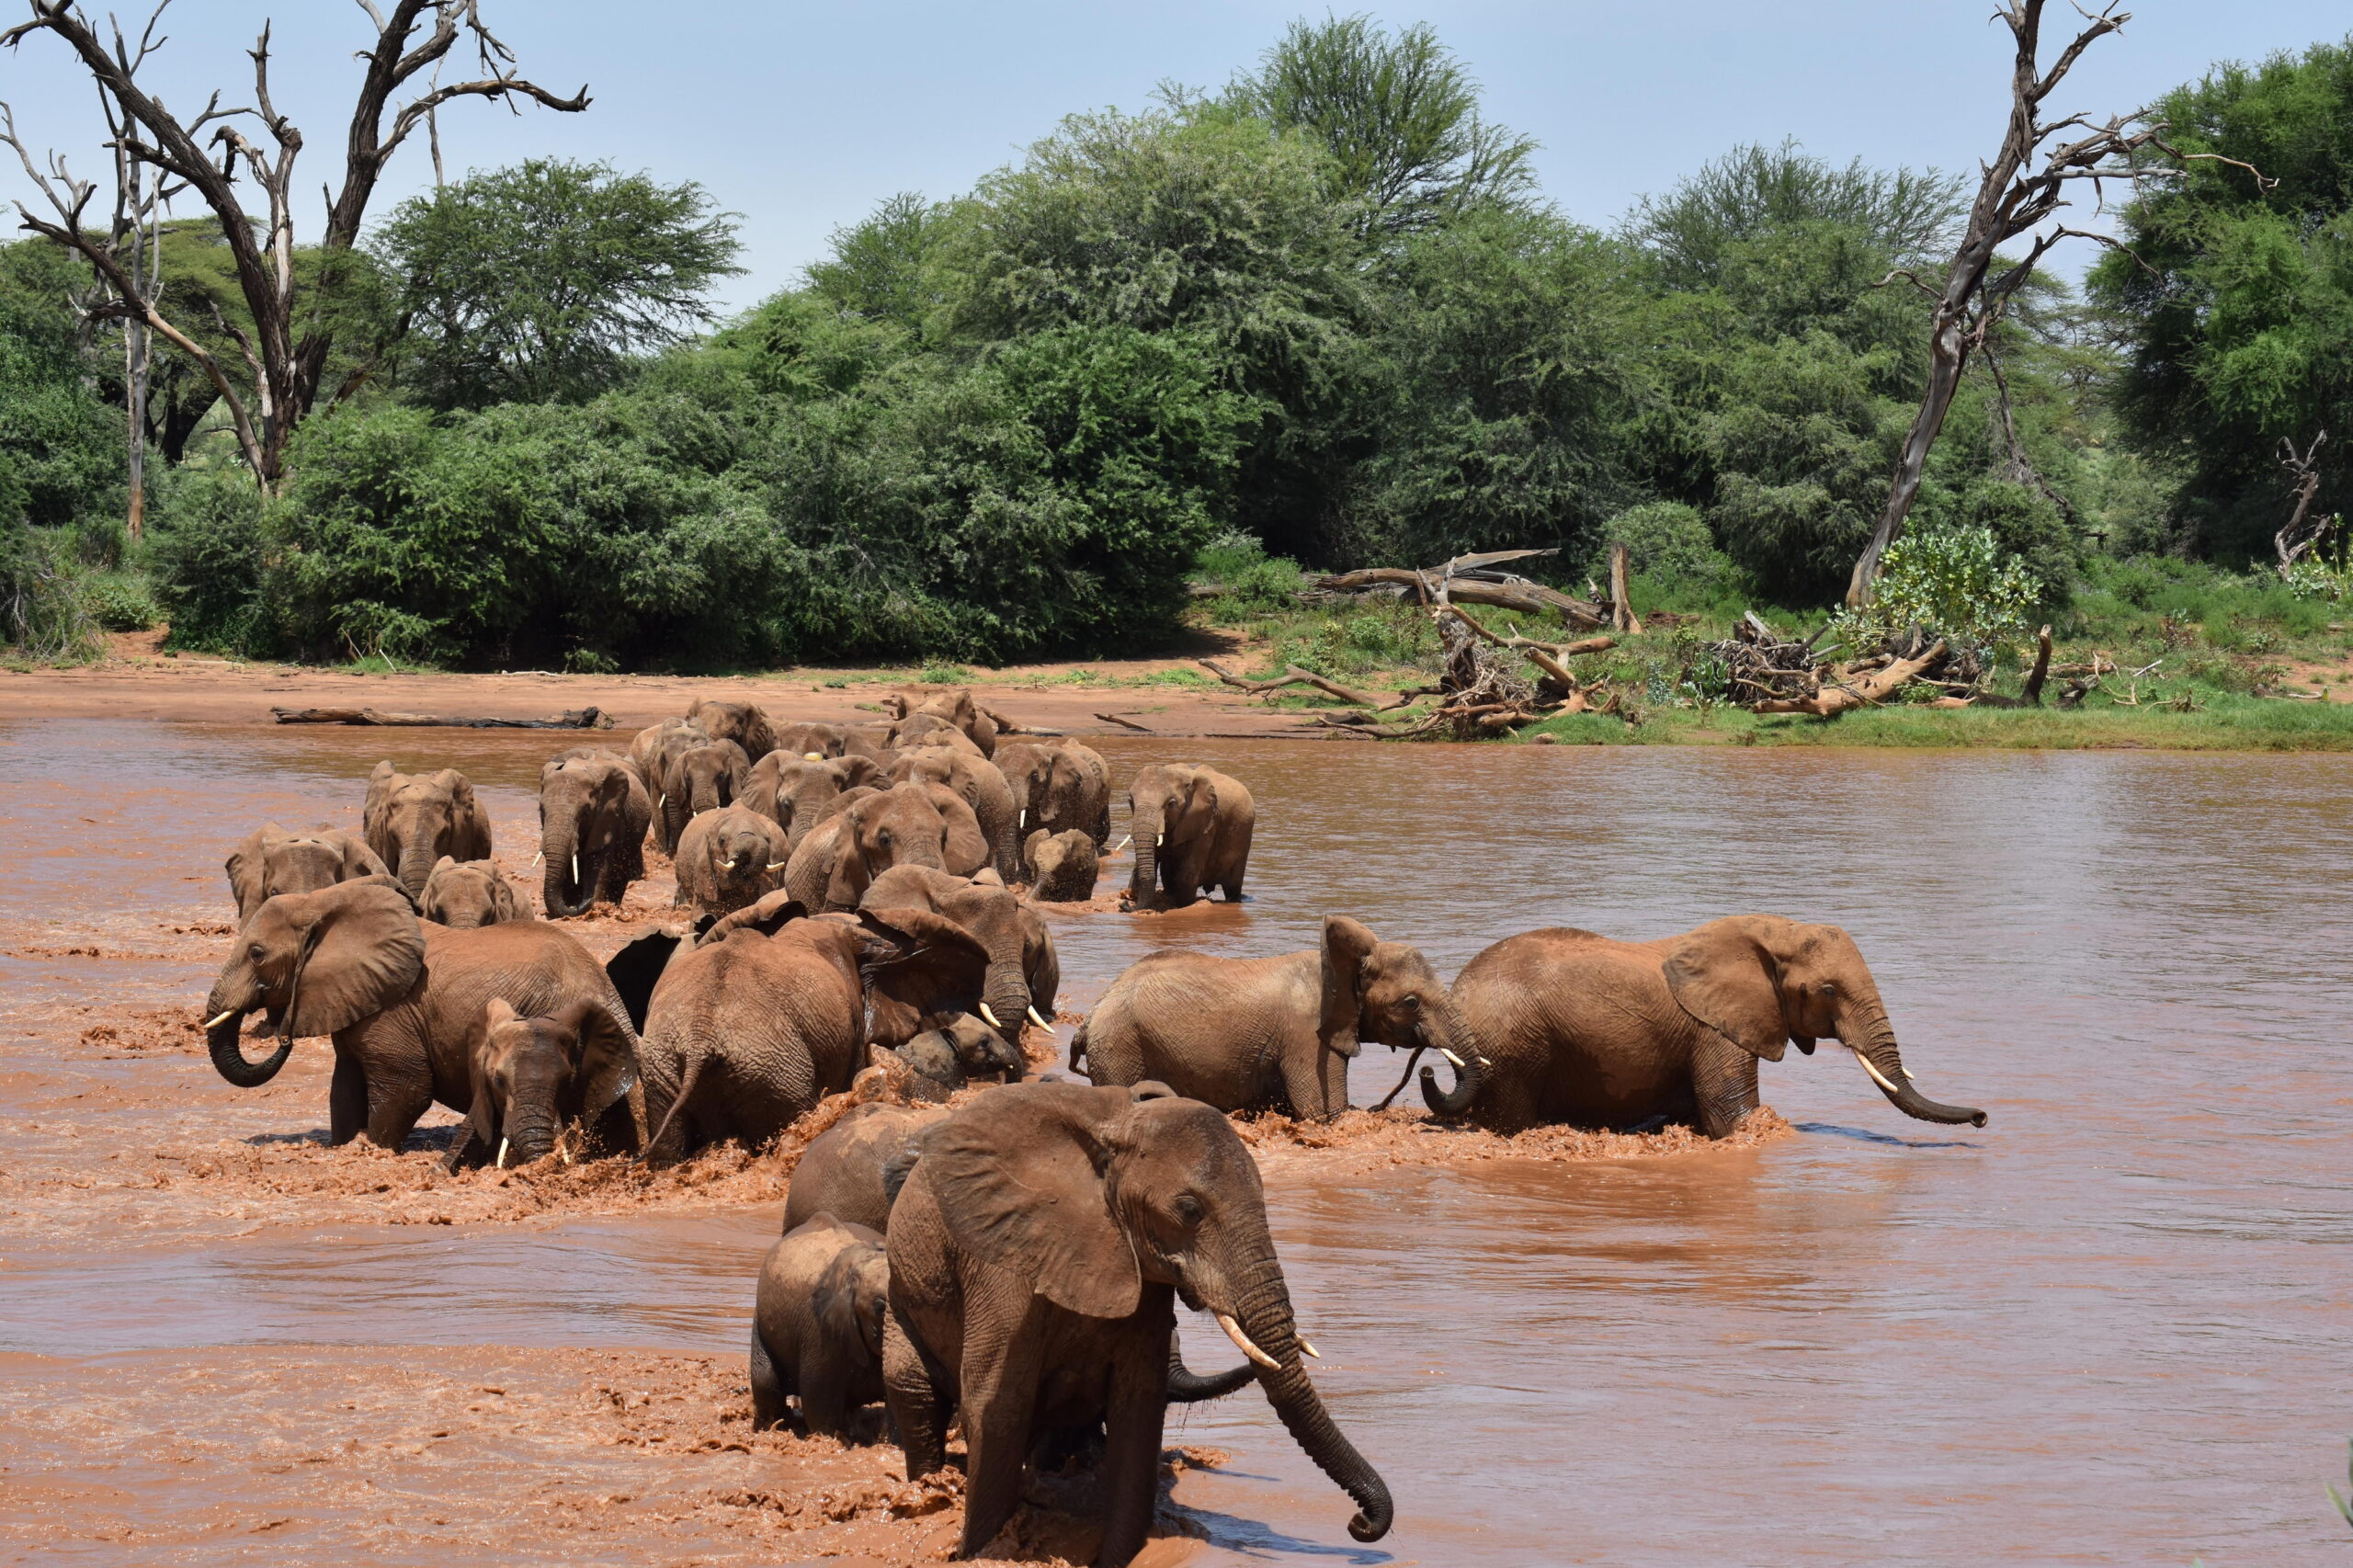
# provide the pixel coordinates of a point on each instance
(257, 952)
(1412, 1004)
(1188, 1209)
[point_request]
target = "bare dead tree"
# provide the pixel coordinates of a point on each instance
(286, 353)
(2296, 539)
(2026, 184)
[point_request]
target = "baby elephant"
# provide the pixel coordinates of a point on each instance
(853, 1170)
(817, 1327)
(947, 1059)
(531, 1076)
(464, 895)
(1061, 866)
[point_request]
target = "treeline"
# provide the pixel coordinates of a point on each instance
(1323, 312)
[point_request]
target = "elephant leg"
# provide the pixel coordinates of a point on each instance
(1336, 1083)
(392, 1112)
(1302, 1074)
(1000, 1384)
(825, 1392)
(768, 1390)
(918, 1405)
(1723, 1083)
(346, 1098)
(1137, 1409)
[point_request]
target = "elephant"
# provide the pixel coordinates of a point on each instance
(1577, 1028)
(1061, 867)
(464, 896)
(741, 722)
(797, 792)
(1273, 1033)
(412, 820)
(1020, 970)
(848, 1170)
(651, 751)
(699, 780)
(747, 1030)
(1192, 828)
(959, 1053)
(533, 1075)
(1037, 1251)
(817, 1327)
(811, 742)
(405, 1002)
(594, 809)
(1058, 784)
(269, 860)
(918, 731)
(912, 824)
(727, 857)
(980, 786)
(955, 707)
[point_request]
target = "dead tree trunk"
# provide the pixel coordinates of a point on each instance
(2292, 542)
(2012, 198)
(1622, 609)
(287, 351)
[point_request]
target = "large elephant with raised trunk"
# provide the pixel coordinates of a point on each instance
(1577, 1028)
(406, 1005)
(1192, 828)
(594, 809)
(269, 860)
(412, 820)
(1273, 1033)
(1037, 1253)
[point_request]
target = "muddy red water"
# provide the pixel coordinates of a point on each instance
(2112, 1327)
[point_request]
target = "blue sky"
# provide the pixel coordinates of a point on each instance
(800, 118)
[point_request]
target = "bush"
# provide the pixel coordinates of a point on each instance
(121, 601)
(207, 558)
(42, 614)
(1670, 550)
(1958, 582)
(1255, 582)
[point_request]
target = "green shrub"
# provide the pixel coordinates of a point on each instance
(209, 562)
(1958, 582)
(121, 601)
(43, 615)
(1254, 582)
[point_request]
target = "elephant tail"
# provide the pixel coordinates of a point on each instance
(687, 1082)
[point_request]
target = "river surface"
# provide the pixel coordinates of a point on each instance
(2113, 1326)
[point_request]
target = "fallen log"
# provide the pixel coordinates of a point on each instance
(1293, 676)
(1124, 724)
(1853, 691)
(1514, 594)
(577, 718)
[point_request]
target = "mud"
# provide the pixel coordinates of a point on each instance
(2108, 1327)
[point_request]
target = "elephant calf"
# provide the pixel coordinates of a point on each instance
(1061, 866)
(817, 1327)
(531, 1076)
(464, 896)
(958, 1053)
(1276, 1033)
(1192, 828)
(848, 1170)
(270, 860)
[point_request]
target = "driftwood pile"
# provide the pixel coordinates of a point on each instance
(1466, 579)
(1767, 672)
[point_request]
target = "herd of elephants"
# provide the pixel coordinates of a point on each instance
(1009, 1258)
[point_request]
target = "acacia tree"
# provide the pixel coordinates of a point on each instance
(292, 334)
(2025, 184)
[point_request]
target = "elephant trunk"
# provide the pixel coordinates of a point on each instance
(559, 849)
(530, 1134)
(1146, 877)
(1265, 1318)
(1872, 1040)
(419, 850)
(1452, 1040)
(1004, 995)
(234, 995)
(1187, 1386)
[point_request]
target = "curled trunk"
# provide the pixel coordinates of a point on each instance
(1873, 1042)
(1453, 1038)
(229, 1055)
(1266, 1316)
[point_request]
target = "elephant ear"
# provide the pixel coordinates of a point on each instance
(248, 869)
(966, 849)
(1019, 1177)
(1724, 976)
(1040, 964)
(603, 1060)
(850, 876)
(637, 968)
(504, 900)
(853, 771)
(358, 860)
(771, 913)
(479, 1130)
(1345, 944)
(364, 951)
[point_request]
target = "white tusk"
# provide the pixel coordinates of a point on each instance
(1877, 1076)
(535, 859)
(575, 870)
(564, 1153)
(1021, 820)
(779, 865)
(813, 757)
(1040, 1022)
(215, 1023)
(1158, 839)
(1123, 844)
(1450, 1056)
(1242, 1342)
(1310, 1349)
(990, 1017)
(502, 1153)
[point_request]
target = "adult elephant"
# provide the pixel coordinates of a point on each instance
(1192, 828)
(1037, 1252)
(1577, 1028)
(269, 860)
(412, 820)
(797, 792)
(1059, 785)
(912, 824)
(594, 809)
(811, 741)
(405, 1004)
(651, 750)
(1273, 1033)
(1020, 970)
(698, 779)
(954, 706)
(846, 1170)
(727, 858)
(741, 722)
(975, 782)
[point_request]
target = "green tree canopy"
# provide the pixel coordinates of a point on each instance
(1900, 214)
(540, 282)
